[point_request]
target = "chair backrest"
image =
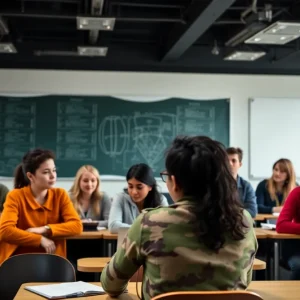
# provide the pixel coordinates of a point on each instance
(35, 267)
(212, 295)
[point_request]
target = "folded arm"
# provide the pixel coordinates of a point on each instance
(125, 262)
(71, 223)
(9, 232)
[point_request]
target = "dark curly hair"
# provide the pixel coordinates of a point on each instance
(201, 170)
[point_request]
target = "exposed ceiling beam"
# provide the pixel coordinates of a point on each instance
(97, 7)
(182, 37)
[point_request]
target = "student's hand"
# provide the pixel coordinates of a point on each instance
(38, 230)
(277, 209)
(48, 245)
(86, 220)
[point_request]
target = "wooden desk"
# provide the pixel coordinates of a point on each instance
(109, 236)
(262, 217)
(276, 290)
(259, 264)
(260, 233)
(97, 264)
(268, 290)
(88, 235)
(109, 241)
(277, 237)
(92, 264)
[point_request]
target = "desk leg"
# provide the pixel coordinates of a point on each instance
(97, 277)
(276, 261)
(268, 259)
(109, 248)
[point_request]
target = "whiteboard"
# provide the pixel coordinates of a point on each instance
(274, 133)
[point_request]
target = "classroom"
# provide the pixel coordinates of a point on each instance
(261, 104)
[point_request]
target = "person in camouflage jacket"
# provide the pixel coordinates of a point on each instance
(205, 241)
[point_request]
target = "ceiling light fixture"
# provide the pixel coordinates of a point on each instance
(279, 33)
(93, 23)
(244, 55)
(7, 48)
(92, 51)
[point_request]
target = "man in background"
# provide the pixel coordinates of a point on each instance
(246, 191)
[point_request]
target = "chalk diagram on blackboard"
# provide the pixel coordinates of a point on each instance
(142, 137)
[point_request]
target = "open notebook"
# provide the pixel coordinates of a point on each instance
(66, 290)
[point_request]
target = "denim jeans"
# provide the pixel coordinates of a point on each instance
(291, 255)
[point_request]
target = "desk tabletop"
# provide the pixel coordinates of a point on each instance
(94, 264)
(260, 233)
(272, 234)
(109, 236)
(276, 290)
(268, 290)
(106, 235)
(262, 217)
(88, 235)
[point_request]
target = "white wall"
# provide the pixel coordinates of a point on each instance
(237, 87)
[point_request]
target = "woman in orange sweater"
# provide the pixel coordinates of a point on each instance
(37, 217)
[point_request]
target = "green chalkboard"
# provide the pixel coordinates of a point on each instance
(111, 134)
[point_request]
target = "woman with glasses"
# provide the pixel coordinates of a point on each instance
(205, 241)
(142, 193)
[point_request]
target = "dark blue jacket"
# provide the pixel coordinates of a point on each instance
(264, 202)
(247, 196)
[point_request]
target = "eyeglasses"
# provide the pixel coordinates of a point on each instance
(164, 176)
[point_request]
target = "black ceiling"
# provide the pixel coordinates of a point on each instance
(149, 35)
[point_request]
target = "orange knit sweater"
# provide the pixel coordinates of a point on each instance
(21, 211)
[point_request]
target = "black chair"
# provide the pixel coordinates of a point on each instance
(33, 267)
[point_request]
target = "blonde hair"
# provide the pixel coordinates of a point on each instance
(285, 165)
(75, 190)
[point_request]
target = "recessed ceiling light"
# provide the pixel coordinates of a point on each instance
(244, 56)
(103, 24)
(92, 51)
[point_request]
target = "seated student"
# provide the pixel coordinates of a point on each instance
(205, 241)
(246, 191)
(3, 192)
(271, 193)
(142, 193)
(89, 202)
(37, 217)
(289, 222)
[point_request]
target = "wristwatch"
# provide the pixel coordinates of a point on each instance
(47, 227)
(48, 230)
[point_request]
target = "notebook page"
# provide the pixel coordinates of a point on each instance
(62, 289)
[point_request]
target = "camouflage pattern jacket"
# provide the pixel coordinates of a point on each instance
(163, 241)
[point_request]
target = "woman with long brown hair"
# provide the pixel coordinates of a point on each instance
(271, 193)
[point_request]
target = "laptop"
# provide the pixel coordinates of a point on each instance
(122, 232)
